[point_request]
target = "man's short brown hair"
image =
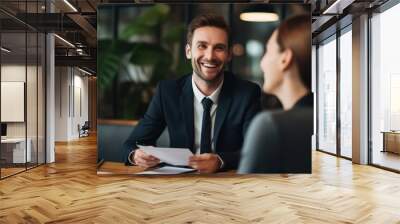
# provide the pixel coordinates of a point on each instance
(206, 20)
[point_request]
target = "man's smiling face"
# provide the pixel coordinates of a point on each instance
(209, 53)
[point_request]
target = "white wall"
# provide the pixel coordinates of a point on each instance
(61, 103)
(80, 111)
(16, 73)
(71, 102)
(33, 126)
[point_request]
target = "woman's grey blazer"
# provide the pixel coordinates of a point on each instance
(280, 141)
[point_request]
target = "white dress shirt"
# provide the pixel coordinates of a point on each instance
(198, 114)
(198, 118)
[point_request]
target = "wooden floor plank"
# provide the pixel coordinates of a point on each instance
(69, 191)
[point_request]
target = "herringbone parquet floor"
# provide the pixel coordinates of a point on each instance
(69, 191)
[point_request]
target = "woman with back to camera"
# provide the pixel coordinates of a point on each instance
(280, 141)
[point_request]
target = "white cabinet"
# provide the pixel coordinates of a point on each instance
(17, 146)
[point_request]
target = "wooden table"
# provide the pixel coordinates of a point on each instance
(14, 150)
(114, 168)
(391, 141)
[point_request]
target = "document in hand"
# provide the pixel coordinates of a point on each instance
(166, 170)
(173, 156)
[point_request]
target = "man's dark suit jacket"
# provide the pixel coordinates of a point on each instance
(280, 141)
(172, 106)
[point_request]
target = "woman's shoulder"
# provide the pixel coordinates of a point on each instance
(268, 116)
(276, 115)
(280, 119)
(264, 121)
(263, 117)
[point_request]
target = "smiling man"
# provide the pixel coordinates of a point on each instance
(207, 111)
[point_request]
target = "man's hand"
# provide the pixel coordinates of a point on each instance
(205, 163)
(145, 160)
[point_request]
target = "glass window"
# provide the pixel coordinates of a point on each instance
(22, 93)
(345, 94)
(327, 96)
(385, 89)
(14, 148)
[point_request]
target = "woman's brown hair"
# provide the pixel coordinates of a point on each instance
(295, 34)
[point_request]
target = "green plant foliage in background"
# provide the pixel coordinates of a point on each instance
(161, 57)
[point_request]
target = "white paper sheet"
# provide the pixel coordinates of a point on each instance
(173, 156)
(166, 170)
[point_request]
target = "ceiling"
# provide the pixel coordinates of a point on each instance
(76, 22)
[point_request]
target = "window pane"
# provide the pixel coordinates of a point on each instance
(345, 94)
(327, 96)
(385, 84)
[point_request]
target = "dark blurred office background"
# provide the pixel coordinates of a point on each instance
(140, 45)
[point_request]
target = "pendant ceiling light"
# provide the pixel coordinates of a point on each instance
(259, 13)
